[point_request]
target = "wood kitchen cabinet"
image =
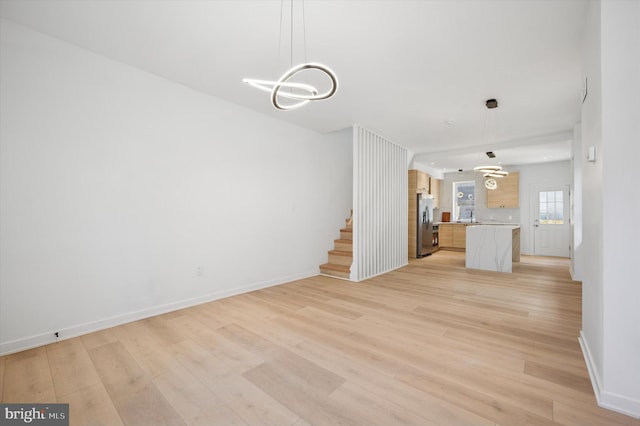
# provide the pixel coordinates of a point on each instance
(445, 236)
(460, 236)
(413, 226)
(452, 236)
(418, 182)
(421, 182)
(507, 194)
(434, 189)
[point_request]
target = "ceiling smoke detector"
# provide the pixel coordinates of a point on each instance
(492, 103)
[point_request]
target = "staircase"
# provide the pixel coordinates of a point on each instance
(341, 257)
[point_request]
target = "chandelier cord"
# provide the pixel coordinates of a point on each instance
(304, 32)
(280, 34)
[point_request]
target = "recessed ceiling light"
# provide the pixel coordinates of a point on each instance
(433, 164)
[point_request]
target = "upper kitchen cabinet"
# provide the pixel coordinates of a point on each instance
(418, 182)
(434, 189)
(422, 183)
(507, 194)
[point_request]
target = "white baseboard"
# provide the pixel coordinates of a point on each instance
(101, 324)
(605, 399)
(620, 404)
(591, 368)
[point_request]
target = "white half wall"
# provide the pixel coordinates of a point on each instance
(124, 195)
(380, 208)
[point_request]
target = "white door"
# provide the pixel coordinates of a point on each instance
(551, 221)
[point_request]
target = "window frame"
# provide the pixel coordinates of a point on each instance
(454, 197)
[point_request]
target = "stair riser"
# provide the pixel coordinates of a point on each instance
(346, 235)
(343, 247)
(340, 260)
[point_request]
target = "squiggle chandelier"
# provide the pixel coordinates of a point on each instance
(490, 173)
(302, 93)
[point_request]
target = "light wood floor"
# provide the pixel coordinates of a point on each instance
(431, 343)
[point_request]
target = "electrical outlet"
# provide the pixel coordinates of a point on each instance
(199, 271)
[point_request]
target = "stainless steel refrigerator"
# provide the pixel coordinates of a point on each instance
(424, 244)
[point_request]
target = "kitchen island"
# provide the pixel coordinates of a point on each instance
(492, 247)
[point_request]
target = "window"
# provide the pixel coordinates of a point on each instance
(464, 200)
(551, 208)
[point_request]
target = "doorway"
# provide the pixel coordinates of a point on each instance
(551, 220)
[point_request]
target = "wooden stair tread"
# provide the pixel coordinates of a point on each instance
(346, 230)
(334, 267)
(343, 241)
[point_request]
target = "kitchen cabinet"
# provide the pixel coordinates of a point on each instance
(445, 235)
(416, 185)
(452, 236)
(413, 226)
(460, 236)
(434, 189)
(421, 182)
(507, 194)
(418, 182)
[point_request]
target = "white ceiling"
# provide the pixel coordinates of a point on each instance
(405, 67)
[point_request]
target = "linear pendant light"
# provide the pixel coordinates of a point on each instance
(300, 92)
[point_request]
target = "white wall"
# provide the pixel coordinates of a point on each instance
(543, 174)
(592, 315)
(611, 236)
(118, 185)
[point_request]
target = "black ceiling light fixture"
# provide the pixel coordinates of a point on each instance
(491, 172)
(491, 103)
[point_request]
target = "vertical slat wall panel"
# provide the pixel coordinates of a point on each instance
(380, 205)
